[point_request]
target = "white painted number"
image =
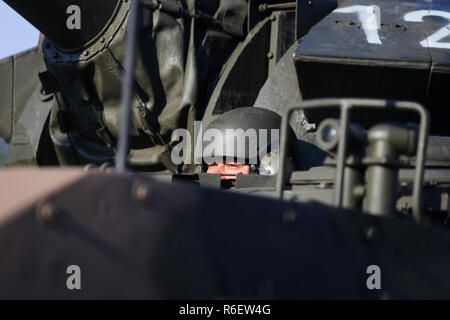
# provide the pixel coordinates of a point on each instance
(370, 20)
(432, 41)
(371, 23)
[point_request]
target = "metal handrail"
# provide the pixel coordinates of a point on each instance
(123, 147)
(345, 105)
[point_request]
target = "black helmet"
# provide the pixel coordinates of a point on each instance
(250, 136)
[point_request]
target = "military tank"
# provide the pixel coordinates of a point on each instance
(337, 188)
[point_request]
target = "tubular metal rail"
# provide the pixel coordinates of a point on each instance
(123, 147)
(345, 106)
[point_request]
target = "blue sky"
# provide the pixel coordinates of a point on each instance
(16, 34)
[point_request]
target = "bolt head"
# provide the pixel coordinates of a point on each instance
(142, 192)
(46, 213)
(370, 233)
(290, 217)
(329, 134)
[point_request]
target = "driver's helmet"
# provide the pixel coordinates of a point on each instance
(247, 141)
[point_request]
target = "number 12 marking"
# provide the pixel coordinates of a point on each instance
(371, 23)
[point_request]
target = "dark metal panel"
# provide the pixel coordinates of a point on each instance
(438, 96)
(255, 181)
(245, 73)
(336, 58)
(286, 33)
(341, 35)
(309, 12)
(137, 238)
(282, 36)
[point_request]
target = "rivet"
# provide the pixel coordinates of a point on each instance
(370, 233)
(290, 217)
(46, 213)
(142, 192)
